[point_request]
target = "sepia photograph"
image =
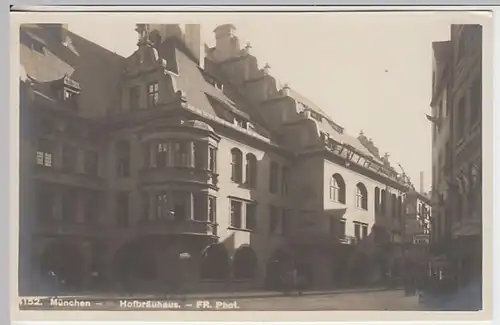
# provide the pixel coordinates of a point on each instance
(232, 162)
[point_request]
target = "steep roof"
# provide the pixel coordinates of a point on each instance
(199, 92)
(46, 57)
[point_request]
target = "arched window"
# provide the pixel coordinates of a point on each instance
(383, 201)
(394, 203)
(273, 177)
(361, 196)
(215, 262)
(400, 206)
(377, 199)
(337, 189)
(244, 263)
(237, 165)
(251, 171)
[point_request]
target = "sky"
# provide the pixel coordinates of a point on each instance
(368, 71)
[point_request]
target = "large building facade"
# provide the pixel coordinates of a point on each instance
(189, 166)
(457, 151)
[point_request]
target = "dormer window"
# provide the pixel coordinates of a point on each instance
(135, 95)
(66, 89)
(219, 85)
(153, 94)
(68, 94)
(316, 116)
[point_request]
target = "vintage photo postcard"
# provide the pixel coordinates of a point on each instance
(298, 166)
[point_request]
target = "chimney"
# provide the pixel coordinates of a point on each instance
(227, 44)
(192, 37)
(188, 34)
(421, 182)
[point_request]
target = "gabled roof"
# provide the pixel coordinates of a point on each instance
(45, 58)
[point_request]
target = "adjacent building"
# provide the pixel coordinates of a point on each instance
(457, 151)
(190, 165)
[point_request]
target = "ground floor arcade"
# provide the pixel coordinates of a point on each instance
(196, 264)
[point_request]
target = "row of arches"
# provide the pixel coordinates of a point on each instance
(384, 201)
(67, 265)
(338, 192)
(237, 167)
(216, 263)
(387, 203)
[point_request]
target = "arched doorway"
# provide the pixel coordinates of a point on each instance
(340, 269)
(359, 269)
(244, 263)
(280, 262)
(135, 267)
(215, 263)
(61, 267)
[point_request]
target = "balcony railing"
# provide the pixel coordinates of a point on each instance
(348, 240)
(60, 228)
(176, 174)
(172, 227)
(57, 175)
(318, 237)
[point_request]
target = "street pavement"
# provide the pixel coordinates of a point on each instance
(357, 299)
(371, 300)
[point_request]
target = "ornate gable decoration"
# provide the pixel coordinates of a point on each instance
(146, 58)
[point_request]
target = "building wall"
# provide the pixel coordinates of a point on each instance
(467, 136)
(308, 187)
(354, 213)
(261, 240)
(442, 143)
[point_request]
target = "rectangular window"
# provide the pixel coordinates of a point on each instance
(91, 162)
(199, 155)
(365, 230)
(273, 219)
(180, 201)
(46, 203)
(199, 206)
(181, 153)
(69, 198)
(284, 180)
(162, 207)
(212, 159)
(285, 221)
(251, 216)
(145, 200)
(236, 220)
(122, 209)
(69, 158)
(273, 177)
(357, 231)
(342, 228)
(153, 94)
(44, 153)
(212, 209)
(123, 158)
(135, 97)
(162, 154)
(92, 208)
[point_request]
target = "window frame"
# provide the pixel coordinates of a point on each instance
(153, 94)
